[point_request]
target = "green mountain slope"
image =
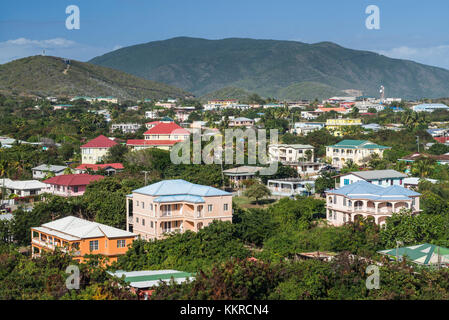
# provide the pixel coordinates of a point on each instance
(49, 76)
(269, 66)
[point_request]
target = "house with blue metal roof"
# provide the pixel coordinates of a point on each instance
(359, 151)
(168, 206)
(366, 199)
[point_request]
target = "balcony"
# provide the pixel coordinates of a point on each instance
(171, 230)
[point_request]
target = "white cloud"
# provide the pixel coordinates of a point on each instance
(60, 47)
(435, 56)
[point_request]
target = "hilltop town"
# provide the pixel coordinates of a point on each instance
(90, 181)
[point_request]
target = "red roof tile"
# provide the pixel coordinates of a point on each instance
(143, 142)
(100, 142)
(96, 167)
(167, 128)
(73, 179)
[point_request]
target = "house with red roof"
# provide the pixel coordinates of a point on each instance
(162, 134)
(95, 150)
(69, 185)
(110, 168)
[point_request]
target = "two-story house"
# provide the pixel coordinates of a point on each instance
(162, 134)
(356, 150)
(286, 153)
(95, 150)
(368, 200)
(335, 126)
(175, 206)
(80, 237)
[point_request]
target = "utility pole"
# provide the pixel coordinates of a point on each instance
(145, 176)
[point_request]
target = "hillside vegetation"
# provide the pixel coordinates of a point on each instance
(274, 68)
(51, 76)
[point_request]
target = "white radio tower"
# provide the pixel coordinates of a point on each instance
(382, 94)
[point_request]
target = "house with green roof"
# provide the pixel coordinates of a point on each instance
(359, 151)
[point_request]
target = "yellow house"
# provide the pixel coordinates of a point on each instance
(95, 150)
(335, 126)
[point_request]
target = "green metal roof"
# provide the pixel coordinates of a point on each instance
(424, 254)
(358, 144)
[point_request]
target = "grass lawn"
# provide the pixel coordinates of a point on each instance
(245, 202)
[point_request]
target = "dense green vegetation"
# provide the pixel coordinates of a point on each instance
(45, 76)
(272, 67)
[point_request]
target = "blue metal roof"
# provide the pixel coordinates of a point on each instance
(181, 197)
(363, 189)
(180, 187)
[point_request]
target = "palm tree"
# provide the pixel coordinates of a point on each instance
(423, 167)
(3, 171)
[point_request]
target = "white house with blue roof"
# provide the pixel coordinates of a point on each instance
(365, 199)
(175, 206)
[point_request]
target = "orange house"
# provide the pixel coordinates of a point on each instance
(80, 237)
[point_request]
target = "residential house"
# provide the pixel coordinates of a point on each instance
(413, 182)
(287, 153)
(109, 168)
(440, 159)
(80, 237)
(125, 127)
(175, 206)
(336, 126)
(304, 128)
(241, 122)
(151, 114)
(162, 134)
(307, 168)
(356, 150)
(289, 187)
(95, 150)
(383, 178)
(23, 188)
(40, 172)
(62, 106)
(239, 174)
(69, 185)
(365, 199)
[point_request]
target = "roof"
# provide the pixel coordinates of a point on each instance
(424, 254)
(365, 190)
(96, 167)
(294, 146)
(72, 228)
(146, 279)
(417, 155)
(415, 180)
(73, 179)
(23, 184)
(430, 106)
(241, 119)
(167, 128)
(243, 170)
(378, 174)
(100, 142)
(6, 216)
(144, 142)
(358, 144)
(180, 187)
(50, 167)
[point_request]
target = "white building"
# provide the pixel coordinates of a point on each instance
(290, 152)
(23, 188)
(383, 178)
(125, 127)
(291, 187)
(41, 171)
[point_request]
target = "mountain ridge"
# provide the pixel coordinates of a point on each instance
(268, 67)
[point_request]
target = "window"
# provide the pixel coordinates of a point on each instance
(75, 189)
(121, 243)
(93, 245)
(209, 207)
(143, 222)
(143, 205)
(151, 224)
(346, 182)
(344, 201)
(137, 203)
(137, 220)
(151, 206)
(225, 207)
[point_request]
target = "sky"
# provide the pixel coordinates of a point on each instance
(408, 29)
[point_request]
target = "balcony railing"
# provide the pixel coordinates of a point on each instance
(171, 230)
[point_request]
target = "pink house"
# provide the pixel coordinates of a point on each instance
(175, 206)
(69, 185)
